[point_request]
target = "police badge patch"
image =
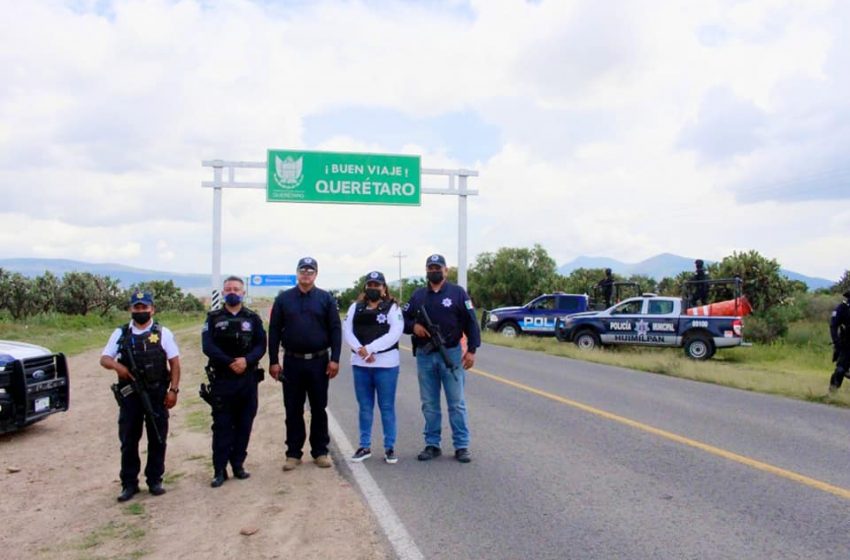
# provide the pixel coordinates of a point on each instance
(246, 325)
(447, 302)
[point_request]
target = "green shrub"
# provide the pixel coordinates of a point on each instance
(770, 324)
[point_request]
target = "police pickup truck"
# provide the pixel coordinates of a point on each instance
(535, 317)
(650, 320)
(33, 384)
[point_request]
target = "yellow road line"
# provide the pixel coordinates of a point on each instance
(784, 473)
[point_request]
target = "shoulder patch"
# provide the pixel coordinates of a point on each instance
(468, 304)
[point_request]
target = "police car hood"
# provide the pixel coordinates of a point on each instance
(20, 351)
(506, 309)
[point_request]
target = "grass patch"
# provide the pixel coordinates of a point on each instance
(198, 420)
(135, 509)
(171, 478)
(799, 371)
(109, 532)
(73, 334)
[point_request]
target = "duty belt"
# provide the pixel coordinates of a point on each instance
(311, 355)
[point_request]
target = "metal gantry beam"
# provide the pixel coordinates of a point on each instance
(457, 186)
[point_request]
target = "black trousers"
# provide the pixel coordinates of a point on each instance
(131, 419)
(306, 379)
(842, 366)
(233, 417)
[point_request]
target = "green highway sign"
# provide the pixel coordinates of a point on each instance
(343, 178)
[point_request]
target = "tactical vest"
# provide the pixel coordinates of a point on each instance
(148, 353)
(371, 324)
(234, 334)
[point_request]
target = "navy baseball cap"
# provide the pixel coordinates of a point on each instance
(308, 262)
(436, 259)
(376, 276)
(141, 297)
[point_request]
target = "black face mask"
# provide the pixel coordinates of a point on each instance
(435, 276)
(373, 294)
(141, 317)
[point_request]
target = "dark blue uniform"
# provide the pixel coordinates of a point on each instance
(308, 328)
(152, 365)
(451, 309)
(699, 295)
(227, 336)
(839, 330)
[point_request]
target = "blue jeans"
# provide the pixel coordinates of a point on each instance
(368, 382)
(433, 372)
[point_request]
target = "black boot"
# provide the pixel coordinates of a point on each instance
(240, 473)
(219, 478)
(128, 492)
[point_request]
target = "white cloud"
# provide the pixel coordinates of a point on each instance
(104, 120)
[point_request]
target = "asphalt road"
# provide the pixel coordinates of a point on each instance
(603, 462)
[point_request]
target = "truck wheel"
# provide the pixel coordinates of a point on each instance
(699, 347)
(510, 330)
(587, 340)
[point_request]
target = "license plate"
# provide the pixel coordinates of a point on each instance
(42, 404)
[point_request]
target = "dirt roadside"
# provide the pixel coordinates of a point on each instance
(59, 481)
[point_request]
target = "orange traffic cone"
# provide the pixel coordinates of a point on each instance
(738, 307)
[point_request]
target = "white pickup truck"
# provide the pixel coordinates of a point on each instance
(33, 384)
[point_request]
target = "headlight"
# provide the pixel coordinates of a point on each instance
(494, 318)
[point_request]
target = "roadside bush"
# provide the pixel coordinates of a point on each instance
(768, 325)
(818, 307)
(167, 296)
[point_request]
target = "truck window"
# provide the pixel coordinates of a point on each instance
(569, 303)
(628, 308)
(660, 307)
(543, 303)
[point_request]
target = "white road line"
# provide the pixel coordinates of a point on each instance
(398, 536)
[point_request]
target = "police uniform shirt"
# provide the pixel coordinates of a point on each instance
(167, 341)
(304, 323)
(839, 324)
(451, 309)
(390, 358)
(250, 323)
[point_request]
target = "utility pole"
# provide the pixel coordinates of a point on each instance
(399, 256)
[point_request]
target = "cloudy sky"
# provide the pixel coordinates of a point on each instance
(605, 128)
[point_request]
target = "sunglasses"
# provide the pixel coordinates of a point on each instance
(306, 271)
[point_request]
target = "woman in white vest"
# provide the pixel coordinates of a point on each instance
(372, 329)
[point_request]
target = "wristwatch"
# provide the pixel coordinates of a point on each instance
(174, 390)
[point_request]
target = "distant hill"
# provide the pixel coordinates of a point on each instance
(126, 275)
(667, 264)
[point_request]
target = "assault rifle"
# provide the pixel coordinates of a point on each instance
(140, 386)
(437, 340)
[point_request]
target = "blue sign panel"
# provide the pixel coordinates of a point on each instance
(272, 279)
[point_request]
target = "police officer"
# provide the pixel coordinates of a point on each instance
(450, 309)
(152, 350)
(305, 322)
(234, 340)
(839, 330)
(699, 295)
(606, 286)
